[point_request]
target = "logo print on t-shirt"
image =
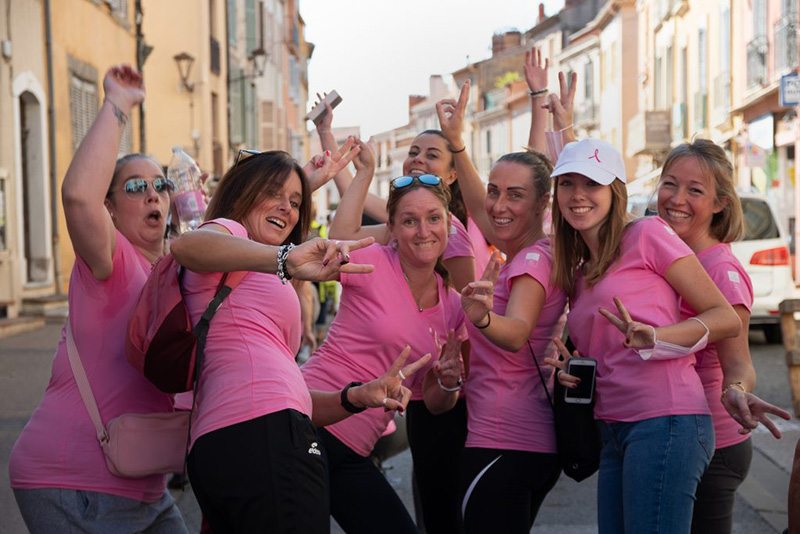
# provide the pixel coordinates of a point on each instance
(453, 229)
(532, 258)
(733, 276)
(670, 230)
(314, 449)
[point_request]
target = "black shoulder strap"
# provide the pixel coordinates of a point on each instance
(541, 377)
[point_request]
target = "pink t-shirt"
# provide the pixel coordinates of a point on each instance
(58, 447)
(629, 388)
(732, 280)
(459, 243)
(378, 317)
(479, 246)
(249, 368)
(507, 406)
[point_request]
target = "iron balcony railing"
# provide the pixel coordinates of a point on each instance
(786, 42)
(757, 61)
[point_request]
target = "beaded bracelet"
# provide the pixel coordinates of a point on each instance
(283, 272)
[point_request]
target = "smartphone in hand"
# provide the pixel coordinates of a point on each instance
(318, 112)
(586, 370)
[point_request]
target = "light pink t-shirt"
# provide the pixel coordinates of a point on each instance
(459, 243)
(377, 318)
(629, 388)
(507, 406)
(58, 447)
(479, 246)
(249, 368)
(732, 280)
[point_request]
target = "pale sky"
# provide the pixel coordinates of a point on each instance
(377, 52)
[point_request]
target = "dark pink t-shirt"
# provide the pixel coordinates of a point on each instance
(378, 317)
(734, 283)
(629, 388)
(58, 447)
(459, 243)
(249, 368)
(507, 406)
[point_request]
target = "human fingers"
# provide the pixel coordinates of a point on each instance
(397, 365)
(563, 350)
(331, 251)
(567, 380)
(483, 285)
(767, 422)
(463, 98)
(555, 362)
(356, 268)
(572, 85)
(640, 335)
(361, 243)
(344, 149)
(413, 367)
(623, 312)
(616, 321)
(766, 407)
(399, 404)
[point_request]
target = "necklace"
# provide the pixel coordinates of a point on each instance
(416, 300)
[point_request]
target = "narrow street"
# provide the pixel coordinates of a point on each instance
(761, 506)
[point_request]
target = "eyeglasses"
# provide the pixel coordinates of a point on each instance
(248, 153)
(138, 186)
(424, 179)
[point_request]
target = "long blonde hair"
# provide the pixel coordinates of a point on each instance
(570, 251)
(728, 224)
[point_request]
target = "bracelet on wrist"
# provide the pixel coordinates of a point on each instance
(488, 321)
(283, 271)
(451, 390)
(738, 385)
(346, 404)
(462, 149)
(565, 128)
(538, 92)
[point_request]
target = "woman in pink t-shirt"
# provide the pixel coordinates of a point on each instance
(697, 197)
(510, 461)
(255, 461)
(407, 300)
(654, 420)
(436, 441)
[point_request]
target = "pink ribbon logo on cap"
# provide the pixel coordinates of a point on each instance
(596, 150)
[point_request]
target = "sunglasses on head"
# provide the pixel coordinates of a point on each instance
(247, 154)
(424, 179)
(138, 186)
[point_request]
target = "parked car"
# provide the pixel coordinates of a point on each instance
(764, 253)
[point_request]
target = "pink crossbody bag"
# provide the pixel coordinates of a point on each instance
(134, 445)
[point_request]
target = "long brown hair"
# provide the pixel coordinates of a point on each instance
(254, 179)
(728, 224)
(456, 205)
(570, 250)
(439, 191)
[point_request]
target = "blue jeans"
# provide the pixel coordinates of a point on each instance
(649, 472)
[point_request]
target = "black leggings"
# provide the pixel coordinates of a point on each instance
(504, 489)
(437, 446)
(716, 493)
(362, 500)
(262, 475)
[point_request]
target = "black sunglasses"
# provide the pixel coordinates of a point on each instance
(424, 179)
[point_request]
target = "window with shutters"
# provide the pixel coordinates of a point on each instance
(82, 106)
(232, 37)
(267, 125)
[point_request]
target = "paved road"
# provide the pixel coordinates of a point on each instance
(570, 508)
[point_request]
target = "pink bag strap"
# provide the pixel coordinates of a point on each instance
(83, 385)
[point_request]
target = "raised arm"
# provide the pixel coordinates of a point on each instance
(346, 224)
(374, 206)
(561, 107)
(317, 259)
(536, 76)
(89, 175)
(451, 121)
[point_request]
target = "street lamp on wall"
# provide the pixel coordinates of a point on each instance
(184, 61)
(258, 58)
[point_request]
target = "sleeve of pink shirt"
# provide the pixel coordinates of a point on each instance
(232, 226)
(659, 245)
(536, 262)
(459, 243)
(732, 280)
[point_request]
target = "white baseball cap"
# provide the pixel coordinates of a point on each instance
(597, 160)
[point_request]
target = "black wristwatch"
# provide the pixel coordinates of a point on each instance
(346, 404)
